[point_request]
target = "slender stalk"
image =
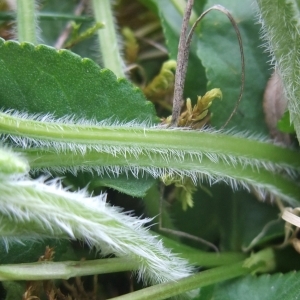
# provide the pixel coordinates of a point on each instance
(263, 259)
(182, 62)
(201, 258)
(65, 269)
(109, 43)
(238, 34)
(26, 21)
(202, 279)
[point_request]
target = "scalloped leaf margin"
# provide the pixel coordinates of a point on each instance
(41, 79)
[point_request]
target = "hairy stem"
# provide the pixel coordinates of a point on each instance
(135, 139)
(182, 63)
(35, 209)
(108, 39)
(26, 21)
(113, 148)
(157, 166)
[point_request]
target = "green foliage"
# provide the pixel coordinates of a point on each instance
(102, 135)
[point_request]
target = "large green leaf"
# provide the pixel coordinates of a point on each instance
(266, 287)
(43, 80)
(219, 51)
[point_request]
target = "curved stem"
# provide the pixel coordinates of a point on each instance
(264, 259)
(238, 34)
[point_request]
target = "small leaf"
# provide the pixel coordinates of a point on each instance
(284, 124)
(126, 184)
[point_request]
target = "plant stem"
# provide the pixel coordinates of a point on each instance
(155, 150)
(205, 278)
(158, 166)
(201, 258)
(182, 63)
(66, 269)
(26, 21)
(138, 138)
(109, 43)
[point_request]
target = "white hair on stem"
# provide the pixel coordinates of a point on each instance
(107, 136)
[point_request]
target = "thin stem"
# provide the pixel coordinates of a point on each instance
(66, 269)
(234, 24)
(201, 258)
(182, 62)
(263, 259)
(109, 44)
(26, 21)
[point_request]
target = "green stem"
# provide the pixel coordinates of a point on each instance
(109, 43)
(26, 21)
(201, 258)
(66, 269)
(157, 151)
(281, 26)
(158, 166)
(171, 143)
(205, 278)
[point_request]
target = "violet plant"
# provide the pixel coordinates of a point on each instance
(82, 118)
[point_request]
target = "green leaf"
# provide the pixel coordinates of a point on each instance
(267, 287)
(284, 124)
(126, 184)
(43, 80)
(219, 51)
